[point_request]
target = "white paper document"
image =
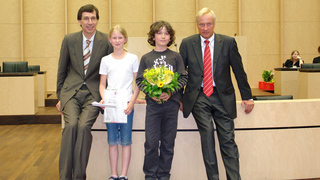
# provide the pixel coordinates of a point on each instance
(95, 103)
(117, 98)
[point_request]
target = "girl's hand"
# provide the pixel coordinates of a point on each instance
(101, 102)
(129, 108)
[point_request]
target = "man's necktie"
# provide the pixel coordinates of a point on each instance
(207, 68)
(86, 56)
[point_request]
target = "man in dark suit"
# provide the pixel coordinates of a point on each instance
(317, 59)
(210, 93)
(77, 87)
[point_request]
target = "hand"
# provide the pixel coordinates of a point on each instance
(249, 104)
(156, 99)
(165, 96)
(181, 107)
(101, 102)
(129, 108)
(58, 105)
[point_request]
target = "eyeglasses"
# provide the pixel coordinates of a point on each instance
(87, 19)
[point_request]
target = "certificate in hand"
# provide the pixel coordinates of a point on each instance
(118, 98)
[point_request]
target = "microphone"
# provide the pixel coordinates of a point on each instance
(175, 44)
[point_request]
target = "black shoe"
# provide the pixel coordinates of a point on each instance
(113, 178)
(123, 178)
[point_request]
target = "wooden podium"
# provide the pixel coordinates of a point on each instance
(286, 82)
(279, 139)
(309, 83)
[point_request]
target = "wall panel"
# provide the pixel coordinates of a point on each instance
(10, 29)
(43, 30)
(10, 42)
(135, 16)
(260, 23)
(180, 14)
(294, 40)
(301, 28)
(273, 28)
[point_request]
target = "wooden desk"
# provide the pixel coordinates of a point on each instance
(18, 93)
(279, 139)
(309, 83)
(256, 92)
(286, 81)
(42, 88)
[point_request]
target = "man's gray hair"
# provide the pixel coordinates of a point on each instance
(204, 11)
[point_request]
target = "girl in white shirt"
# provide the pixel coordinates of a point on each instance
(119, 68)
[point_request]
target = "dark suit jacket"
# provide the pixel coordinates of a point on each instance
(71, 71)
(226, 55)
(316, 60)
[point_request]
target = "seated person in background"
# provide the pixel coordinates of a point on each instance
(317, 59)
(294, 61)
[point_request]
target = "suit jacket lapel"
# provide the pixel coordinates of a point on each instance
(217, 49)
(197, 51)
(97, 45)
(78, 46)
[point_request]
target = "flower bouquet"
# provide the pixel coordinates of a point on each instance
(159, 80)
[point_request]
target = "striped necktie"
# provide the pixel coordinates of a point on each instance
(86, 56)
(207, 69)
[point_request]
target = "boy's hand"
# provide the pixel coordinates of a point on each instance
(165, 96)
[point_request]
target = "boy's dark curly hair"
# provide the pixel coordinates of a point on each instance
(156, 27)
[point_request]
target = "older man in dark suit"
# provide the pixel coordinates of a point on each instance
(210, 93)
(77, 87)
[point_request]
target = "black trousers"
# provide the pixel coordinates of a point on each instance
(160, 133)
(204, 110)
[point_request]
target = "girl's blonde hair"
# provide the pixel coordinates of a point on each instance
(120, 29)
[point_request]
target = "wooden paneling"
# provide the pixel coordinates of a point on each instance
(286, 83)
(42, 40)
(225, 10)
(180, 14)
(260, 23)
(10, 29)
(273, 28)
(10, 42)
(43, 12)
(309, 85)
(301, 18)
(276, 141)
(135, 16)
(19, 95)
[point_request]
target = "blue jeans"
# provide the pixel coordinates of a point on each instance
(120, 133)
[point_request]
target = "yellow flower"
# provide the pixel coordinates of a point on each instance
(160, 84)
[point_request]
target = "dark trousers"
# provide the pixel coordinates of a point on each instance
(160, 133)
(79, 116)
(204, 110)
